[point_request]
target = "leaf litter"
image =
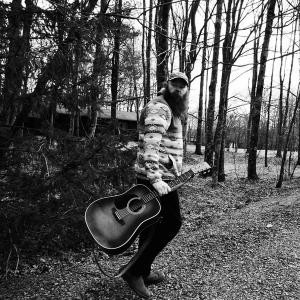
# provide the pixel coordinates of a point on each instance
(239, 240)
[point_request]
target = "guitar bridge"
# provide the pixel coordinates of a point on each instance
(117, 216)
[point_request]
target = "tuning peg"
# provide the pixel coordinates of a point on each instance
(205, 173)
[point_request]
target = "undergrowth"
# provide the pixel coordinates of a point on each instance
(46, 186)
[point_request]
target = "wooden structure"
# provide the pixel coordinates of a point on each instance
(126, 120)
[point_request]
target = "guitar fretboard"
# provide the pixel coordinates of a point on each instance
(176, 182)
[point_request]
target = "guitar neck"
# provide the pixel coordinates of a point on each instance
(178, 181)
(174, 184)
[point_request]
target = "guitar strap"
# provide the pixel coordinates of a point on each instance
(141, 249)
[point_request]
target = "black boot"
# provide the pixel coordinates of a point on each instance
(137, 284)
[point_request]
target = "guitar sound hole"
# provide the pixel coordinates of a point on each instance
(122, 202)
(135, 206)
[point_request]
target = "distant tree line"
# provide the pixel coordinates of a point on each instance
(116, 54)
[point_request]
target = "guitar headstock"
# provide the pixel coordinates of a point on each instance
(203, 169)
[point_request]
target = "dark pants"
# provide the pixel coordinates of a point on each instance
(164, 231)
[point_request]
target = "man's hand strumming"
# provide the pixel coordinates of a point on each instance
(162, 188)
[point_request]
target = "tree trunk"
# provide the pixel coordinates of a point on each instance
(286, 111)
(98, 67)
(186, 63)
(161, 40)
(298, 161)
(285, 149)
(74, 87)
(280, 99)
(256, 44)
(220, 128)
(233, 15)
(135, 83)
(72, 123)
(268, 109)
(148, 56)
(253, 88)
(256, 107)
(193, 53)
(183, 38)
(93, 120)
(115, 68)
(208, 157)
(189, 61)
(202, 78)
(143, 51)
(77, 123)
(226, 70)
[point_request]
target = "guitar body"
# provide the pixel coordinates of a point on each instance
(115, 221)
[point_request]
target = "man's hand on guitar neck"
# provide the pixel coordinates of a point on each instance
(162, 188)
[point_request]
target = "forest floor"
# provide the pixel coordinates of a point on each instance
(239, 240)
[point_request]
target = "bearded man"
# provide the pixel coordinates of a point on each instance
(159, 160)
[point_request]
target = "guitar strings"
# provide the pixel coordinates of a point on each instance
(150, 196)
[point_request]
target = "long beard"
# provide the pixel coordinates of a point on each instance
(178, 103)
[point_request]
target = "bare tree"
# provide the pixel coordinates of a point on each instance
(98, 66)
(193, 53)
(256, 46)
(288, 91)
(256, 107)
(233, 17)
(208, 157)
(269, 107)
(74, 105)
(287, 139)
(188, 54)
(161, 40)
(115, 66)
(143, 51)
(202, 78)
(280, 132)
(147, 91)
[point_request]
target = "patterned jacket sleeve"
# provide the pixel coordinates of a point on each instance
(157, 121)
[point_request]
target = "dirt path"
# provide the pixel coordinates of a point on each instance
(238, 241)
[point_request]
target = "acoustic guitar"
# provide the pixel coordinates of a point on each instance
(115, 221)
